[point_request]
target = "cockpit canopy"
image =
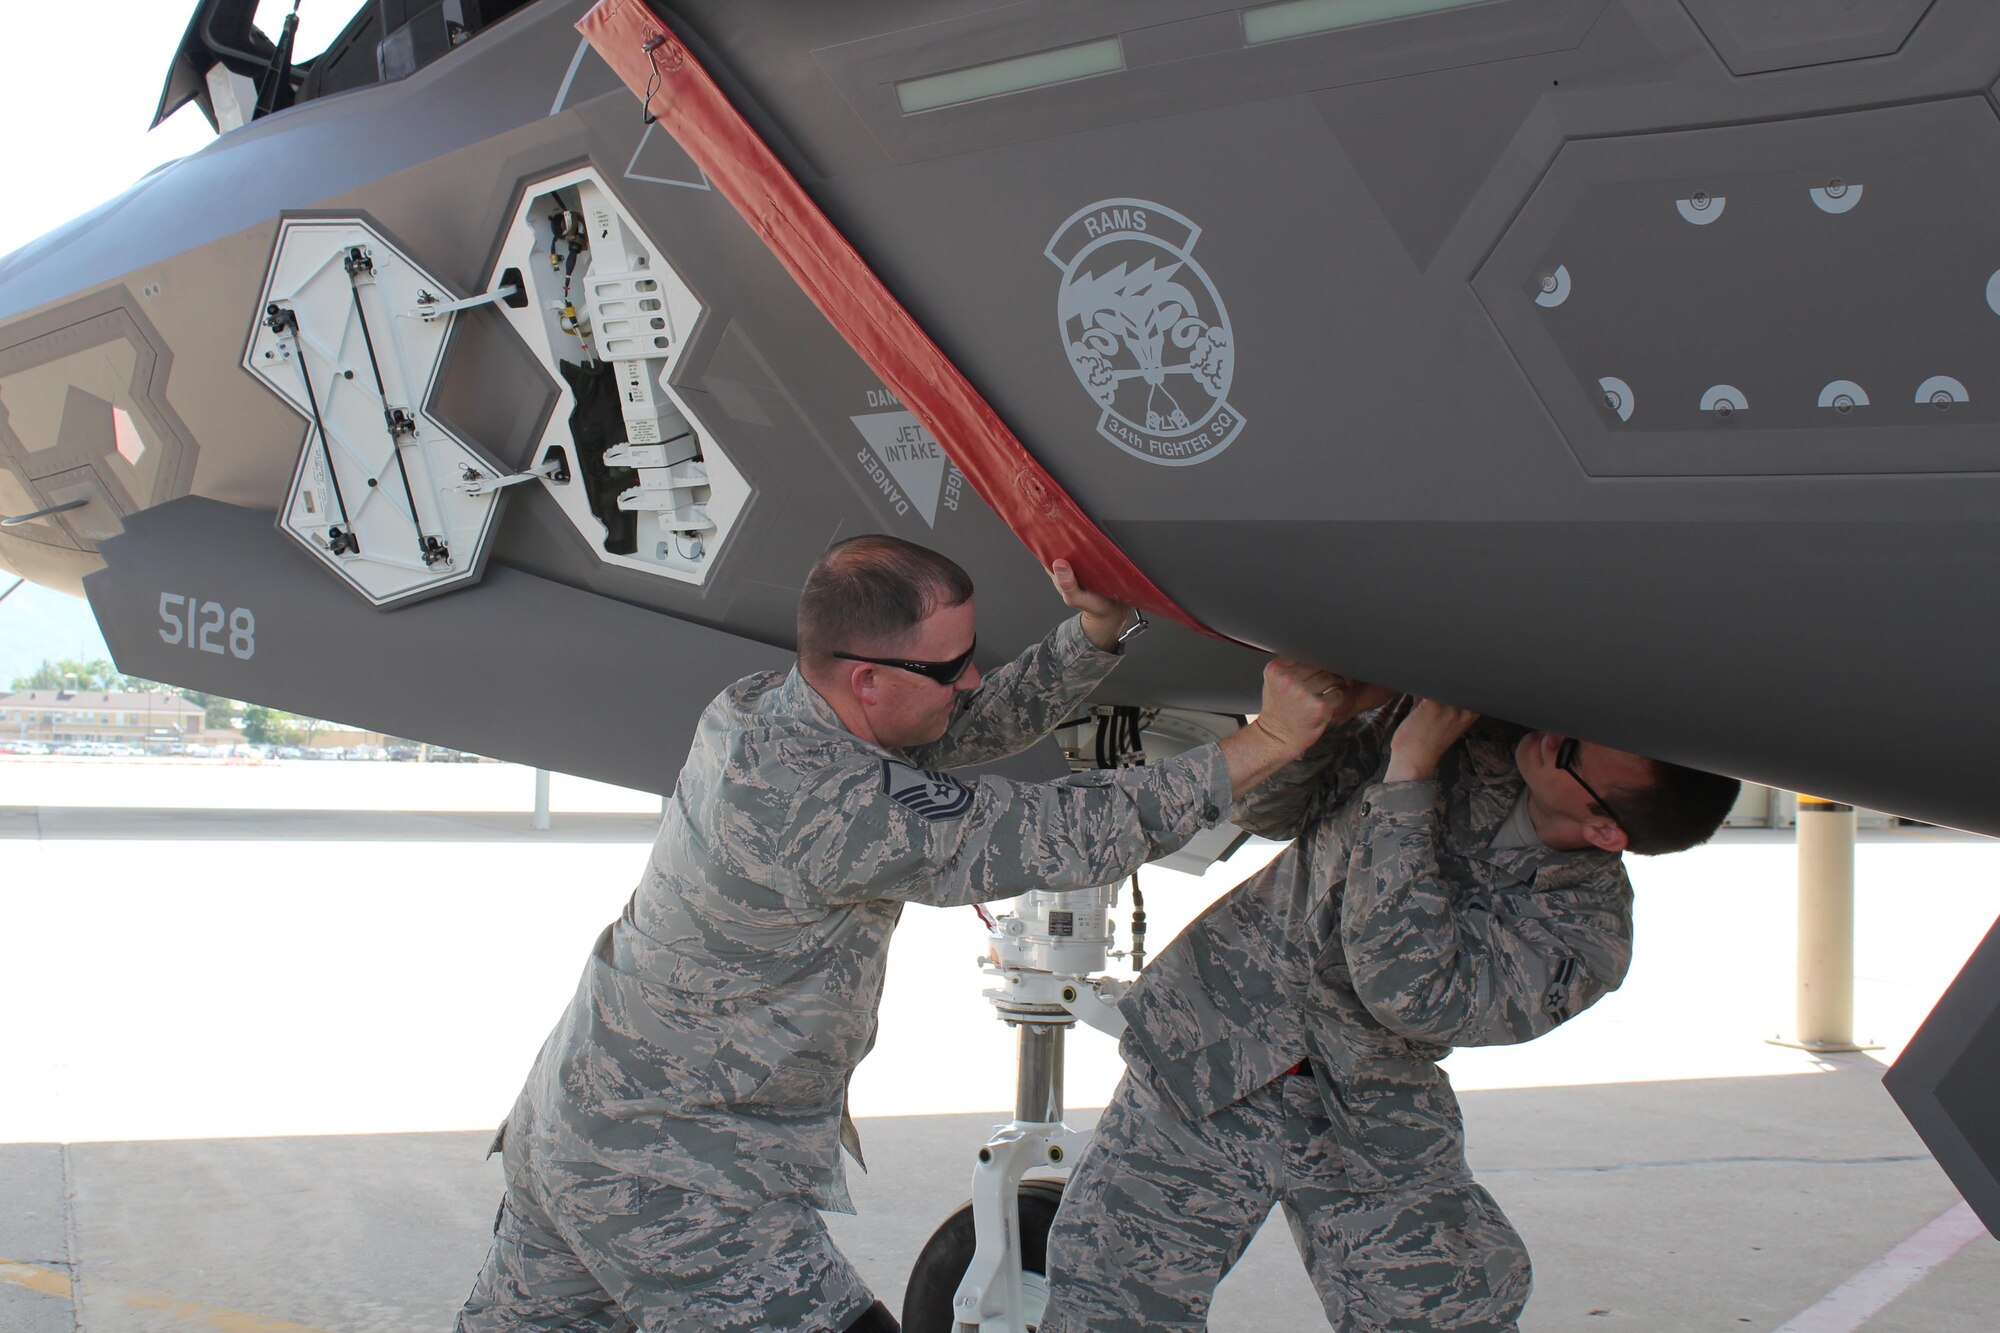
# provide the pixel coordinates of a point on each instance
(236, 71)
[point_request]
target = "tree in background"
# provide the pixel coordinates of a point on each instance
(268, 726)
(70, 674)
(218, 713)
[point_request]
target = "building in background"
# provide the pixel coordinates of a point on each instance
(314, 735)
(159, 722)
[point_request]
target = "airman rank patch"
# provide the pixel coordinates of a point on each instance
(932, 795)
(1561, 980)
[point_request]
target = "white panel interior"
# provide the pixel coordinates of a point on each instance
(619, 302)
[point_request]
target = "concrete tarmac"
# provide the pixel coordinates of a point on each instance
(256, 1049)
(1710, 1206)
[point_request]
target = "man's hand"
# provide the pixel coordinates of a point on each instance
(1422, 738)
(1103, 619)
(1299, 702)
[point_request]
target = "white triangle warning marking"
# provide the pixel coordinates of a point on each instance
(913, 458)
(667, 156)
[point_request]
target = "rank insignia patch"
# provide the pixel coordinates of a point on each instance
(932, 795)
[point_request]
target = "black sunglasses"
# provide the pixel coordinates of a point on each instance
(944, 673)
(1566, 761)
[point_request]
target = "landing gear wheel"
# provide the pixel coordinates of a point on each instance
(939, 1269)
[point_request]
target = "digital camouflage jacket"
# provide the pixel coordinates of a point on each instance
(1387, 933)
(711, 1039)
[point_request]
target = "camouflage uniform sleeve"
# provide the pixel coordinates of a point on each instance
(1321, 779)
(898, 832)
(1436, 962)
(1018, 704)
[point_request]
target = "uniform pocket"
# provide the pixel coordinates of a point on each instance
(801, 1087)
(1397, 1121)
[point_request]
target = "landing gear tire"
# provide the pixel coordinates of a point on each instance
(941, 1266)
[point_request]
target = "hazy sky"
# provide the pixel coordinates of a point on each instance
(78, 86)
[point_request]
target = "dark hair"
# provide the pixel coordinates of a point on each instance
(867, 592)
(1681, 809)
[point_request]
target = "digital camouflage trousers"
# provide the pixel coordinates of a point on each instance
(1159, 1209)
(608, 1252)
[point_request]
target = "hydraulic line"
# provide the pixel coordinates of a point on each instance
(399, 423)
(281, 319)
(1121, 743)
(1138, 926)
(272, 85)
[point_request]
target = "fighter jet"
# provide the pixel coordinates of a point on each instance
(1618, 366)
(1628, 368)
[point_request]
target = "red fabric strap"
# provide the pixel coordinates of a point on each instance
(646, 56)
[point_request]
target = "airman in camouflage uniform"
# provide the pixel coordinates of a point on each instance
(683, 1122)
(1409, 916)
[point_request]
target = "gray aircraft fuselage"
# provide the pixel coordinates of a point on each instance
(1418, 251)
(1629, 368)
(1517, 319)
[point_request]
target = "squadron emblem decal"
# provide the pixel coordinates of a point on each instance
(1146, 331)
(932, 795)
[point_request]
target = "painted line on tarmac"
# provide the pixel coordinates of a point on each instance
(47, 1281)
(188, 1314)
(1860, 1298)
(183, 1314)
(1698, 1164)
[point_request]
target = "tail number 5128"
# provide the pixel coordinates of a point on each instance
(209, 627)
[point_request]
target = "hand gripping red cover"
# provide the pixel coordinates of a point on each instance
(644, 53)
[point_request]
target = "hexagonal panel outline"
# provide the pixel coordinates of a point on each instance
(1793, 34)
(1695, 340)
(99, 356)
(382, 493)
(602, 294)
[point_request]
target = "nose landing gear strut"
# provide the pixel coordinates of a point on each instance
(985, 1268)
